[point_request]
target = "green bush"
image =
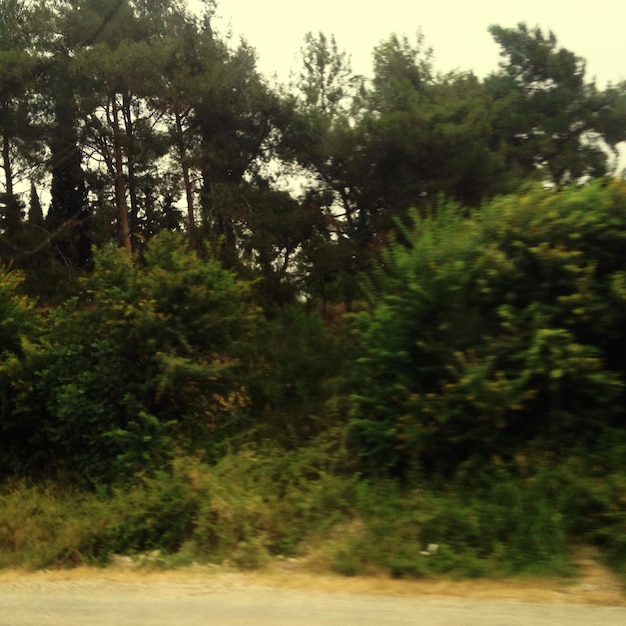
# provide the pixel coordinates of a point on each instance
(17, 326)
(496, 334)
(150, 359)
(301, 362)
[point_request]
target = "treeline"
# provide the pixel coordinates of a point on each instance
(174, 343)
(120, 119)
(480, 339)
(475, 402)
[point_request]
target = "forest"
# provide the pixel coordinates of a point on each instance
(367, 313)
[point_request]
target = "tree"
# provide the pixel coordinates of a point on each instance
(112, 59)
(438, 144)
(404, 139)
(19, 67)
(69, 209)
(233, 122)
(35, 210)
(119, 55)
(59, 90)
(402, 72)
(189, 47)
(326, 82)
(317, 134)
(547, 116)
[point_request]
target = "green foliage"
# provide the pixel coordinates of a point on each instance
(301, 362)
(42, 527)
(325, 82)
(240, 511)
(147, 359)
(495, 335)
(500, 526)
(402, 70)
(17, 324)
(267, 503)
(493, 347)
(17, 315)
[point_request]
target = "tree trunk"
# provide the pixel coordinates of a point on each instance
(12, 217)
(191, 217)
(120, 185)
(130, 164)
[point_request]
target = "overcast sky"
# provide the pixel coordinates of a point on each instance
(456, 29)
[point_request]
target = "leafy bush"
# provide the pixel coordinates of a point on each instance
(17, 324)
(495, 335)
(301, 362)
(149, 359)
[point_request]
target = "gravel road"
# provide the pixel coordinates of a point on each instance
(101, 602)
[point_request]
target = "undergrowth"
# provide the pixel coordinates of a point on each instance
(254, 506)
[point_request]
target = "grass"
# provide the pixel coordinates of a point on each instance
(254, 507)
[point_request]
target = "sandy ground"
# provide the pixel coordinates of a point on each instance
(284, 594)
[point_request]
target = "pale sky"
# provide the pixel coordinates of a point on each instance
(456, 29)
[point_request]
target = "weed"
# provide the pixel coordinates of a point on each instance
(255, 505)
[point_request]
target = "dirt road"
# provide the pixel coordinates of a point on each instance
(107, 603)
(106, 598)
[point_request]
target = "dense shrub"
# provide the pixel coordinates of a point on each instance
(301, 365)
(148, 359)
(495, 336)
(17, 324)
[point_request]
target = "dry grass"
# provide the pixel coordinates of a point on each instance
(594, 585)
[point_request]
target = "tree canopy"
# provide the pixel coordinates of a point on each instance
(125, 118)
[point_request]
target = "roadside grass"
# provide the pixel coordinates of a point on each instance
(254, 507)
